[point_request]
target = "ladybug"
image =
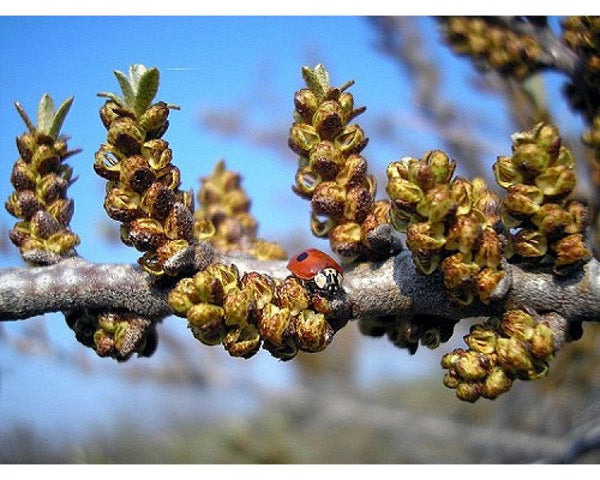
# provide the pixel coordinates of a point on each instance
(317, 270)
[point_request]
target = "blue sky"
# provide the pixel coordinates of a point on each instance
(207, 63)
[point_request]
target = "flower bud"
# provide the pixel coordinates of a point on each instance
(551, 219)
(442, 167)
(273, 323)
(243, 342)
(136, 173)
(239, 306)
(437, 205)
(397, 169)
(531, 158)
(157, 201)
(464, 233)
(556, 181)
(170, 176)
(146, 234)
(518, 323)
(154, 119)
(157, 153)
(345, 240)
(23, 176)
(51, 187)
(326, 160)
(571, 250)
(312, 333)
(353, 172)
(303, 138)
(26, 144)
(43, 225)
(506, 172)
(530, 243)
(328, 199)
(62, 209)
(489, 249)
(351, 140)
(481, 339)
(260, 286)
(513, 357)
(451, 380)
(306, 182)
(292, 295)
(126, 135)
(328, 120)
(45, 159)
(496, 383)
(523, 200)
(179, 224)
(468, 392)
(23, 204)
(578, 217)
(321, 227)
(359, 203)
(179, 302)
(306, 104)
(207, 323)
(122, 205)
(110, 111)
(472, 366)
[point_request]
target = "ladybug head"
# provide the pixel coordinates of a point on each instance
(328, 280)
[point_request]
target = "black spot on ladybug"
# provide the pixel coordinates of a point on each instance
(302, 256)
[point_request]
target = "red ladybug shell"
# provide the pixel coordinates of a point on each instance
(306, 264)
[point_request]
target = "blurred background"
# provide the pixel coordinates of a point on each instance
(362, 400)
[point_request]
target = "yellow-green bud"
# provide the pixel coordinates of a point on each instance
(312, 333)
(571, 250)
(328, 120)
(306, 182)
(513, 357)
(442, 167)
(126, 135)
(556, 181)
(530, 243)
(157, 152)
(351, 140)
(468, 392)
(437, 205)
(239, 305)
(273, 323)
(464, 233)
(404, 193)
(345, 240)
(496, 383)
(523, 200)
(260, 286)
(542, 341)
(472, 366)
(306, 103)
(481, 339)
(303, 138)
(328, 199)
(242, 342)
(207, 323)
(551, 219)
(461, 191)
(292, 295)
(326, 160)
(531, 158)
(506, 172)
(424, 237)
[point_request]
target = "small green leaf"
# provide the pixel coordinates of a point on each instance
(322, 76)
(147, 86)
(45, 113)
(59, 117)
(136, 72)
(25, 117)
(126, 88)
(317, 80)
(114, 97)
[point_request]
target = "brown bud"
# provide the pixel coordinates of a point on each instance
(353, 172)
(359, 203)
(146, 234)
(571, 250)
(273, 323)
(62, 209)
(43, 225)
(122, 205)
(424, 237)
(157, 152)
(154, 119)
(126, 135)
(351, 140)
(530, 243)
(551, 219)
(542, 341)
(461, 191)
(26, 144)
(345, 240)
(51, 187)
(23, 176)
(260, 286)
(523, 200)
(328, 199)
(136, 173)
(464, 233)
(45, 159)
(292, 295)
(207, 323)
(179, 224)
(458, 271)
(239, 306)
(303, 138)
(243, 342)
(306, 104)
(312, 333)
(328, 119)
(486, 282)
(157, 201)
(325, 160)
(23, 204)
(481, 339)
(578, 217)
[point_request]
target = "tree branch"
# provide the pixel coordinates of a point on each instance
(392, 287)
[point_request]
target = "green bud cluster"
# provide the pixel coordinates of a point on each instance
(450, 224)
(142, 190)
(247, 312)
(332, 173)
(492, 45)
(545, 226)
(409, 331)
(41, 179)
(517, 347)
(114, 334)
(224, 219)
